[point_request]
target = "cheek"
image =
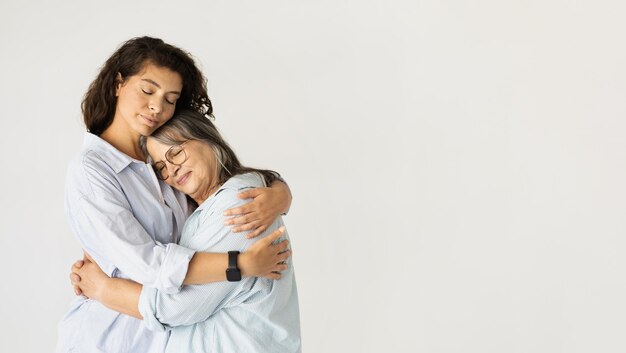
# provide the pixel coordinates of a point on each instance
(169, 182)
(129, 99)
(195, 163)
(168, 113)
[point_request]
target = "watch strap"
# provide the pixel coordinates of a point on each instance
(233, 274)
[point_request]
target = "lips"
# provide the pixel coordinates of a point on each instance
(183, 178)
(150, 121)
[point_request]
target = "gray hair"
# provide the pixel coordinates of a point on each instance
(192, 125)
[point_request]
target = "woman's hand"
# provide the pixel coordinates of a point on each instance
(258, 215)
(88, 279)
(265, 259)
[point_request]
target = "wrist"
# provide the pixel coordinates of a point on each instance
(288, 199)
(102, 290)
(244, 264)
(233, 272)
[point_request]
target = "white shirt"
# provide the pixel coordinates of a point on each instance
(129, 222)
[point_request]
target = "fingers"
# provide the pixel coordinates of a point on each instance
(77, 265)
(256, 232)
(284, 256)
(280, 268)
(77, 290)
(273, 275)
(282, 246)
(243, 219)
(74, 278)
(249, 226)
(247, 208)
(251, 193)
(274, 236)
(87, 256)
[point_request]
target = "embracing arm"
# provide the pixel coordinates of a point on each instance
(103, 220)
(164, 267)
(268, 203)
(122, 295)
(258, 261)
(109, 231)
(197, 303)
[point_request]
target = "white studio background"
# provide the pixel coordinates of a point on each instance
(458, 167)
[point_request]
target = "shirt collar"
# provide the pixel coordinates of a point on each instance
(114, 157)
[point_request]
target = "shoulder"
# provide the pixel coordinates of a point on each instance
(89, 168)
(205, 228)
(227, 196)
(98, 159)
(243, 181)
(89, 160)
(228, 192)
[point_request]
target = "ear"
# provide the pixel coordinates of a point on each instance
(119, 81)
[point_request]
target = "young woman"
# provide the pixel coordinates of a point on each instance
(254, 315)
(129, 220)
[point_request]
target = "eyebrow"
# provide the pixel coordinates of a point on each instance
(158, 86)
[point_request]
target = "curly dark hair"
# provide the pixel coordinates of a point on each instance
(129, 59)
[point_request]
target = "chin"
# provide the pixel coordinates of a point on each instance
(144, 130)
(181, 188)
(188, 188)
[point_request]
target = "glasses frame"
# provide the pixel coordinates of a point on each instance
(160, 166)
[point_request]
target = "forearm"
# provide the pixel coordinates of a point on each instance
(116, 240)
(122, 296)
(211, 267)
(285, 191)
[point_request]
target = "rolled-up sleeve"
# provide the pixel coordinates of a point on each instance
(113, 236)
(194, 303)
(103, 221)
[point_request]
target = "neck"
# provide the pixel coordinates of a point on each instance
(204, 195)
(125, 140)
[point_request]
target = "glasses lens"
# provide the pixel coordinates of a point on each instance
(161, 170)
(176, 155)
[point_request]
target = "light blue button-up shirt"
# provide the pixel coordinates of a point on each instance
(129, 222)
(253, 315)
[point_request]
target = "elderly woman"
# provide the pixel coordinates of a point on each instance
(241, 315)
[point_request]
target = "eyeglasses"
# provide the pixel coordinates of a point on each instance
(176, 155)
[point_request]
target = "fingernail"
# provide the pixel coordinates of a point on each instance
(282, 228)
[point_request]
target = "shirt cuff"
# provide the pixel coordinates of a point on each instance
(174, 268)
(147, 308)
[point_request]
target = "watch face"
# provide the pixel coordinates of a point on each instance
(233, 275)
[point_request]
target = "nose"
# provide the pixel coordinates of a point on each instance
(155, 105)
(172, 169)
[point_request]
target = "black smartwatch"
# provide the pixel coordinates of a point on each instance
(232, 272)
